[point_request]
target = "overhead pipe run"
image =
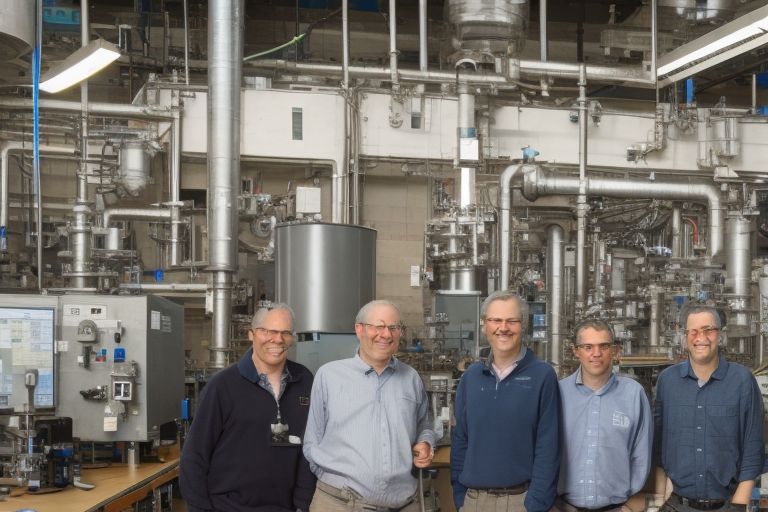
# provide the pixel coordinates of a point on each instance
(539, 183)
(146, 112)
(532, 68)
(145, 214)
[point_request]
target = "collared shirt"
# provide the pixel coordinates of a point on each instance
(501, 374)
(362, 426)
(264, 382)
(607, 441)
(709, 438)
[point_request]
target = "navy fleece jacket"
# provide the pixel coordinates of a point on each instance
(228, 462)
(507, 433)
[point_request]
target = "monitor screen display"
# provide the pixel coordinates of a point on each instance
(26, 345)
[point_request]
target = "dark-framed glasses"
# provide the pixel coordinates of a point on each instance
(274, 333)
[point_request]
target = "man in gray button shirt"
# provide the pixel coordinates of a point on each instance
(607, 428)
(369, 423)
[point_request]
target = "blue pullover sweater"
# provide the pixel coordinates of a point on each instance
(507, 433)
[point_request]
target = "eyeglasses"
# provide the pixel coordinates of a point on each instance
(394, 328)
(496, 322)
(272, 333)
(706, 331)
(589, 347)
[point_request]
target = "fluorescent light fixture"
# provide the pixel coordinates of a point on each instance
(86, 61)
(732, 39)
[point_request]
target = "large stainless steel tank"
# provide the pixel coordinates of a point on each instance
(492, 25)
(326, 273)
(17, 33)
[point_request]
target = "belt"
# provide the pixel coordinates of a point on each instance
(346, 495)
(699, 504)
(601, 509)
(505, 491)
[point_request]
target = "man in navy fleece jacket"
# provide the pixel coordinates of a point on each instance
(243, 452)
(505, 451)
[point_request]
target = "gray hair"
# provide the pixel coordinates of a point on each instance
(362, 315)
(505, 295)
(694, 309)
(596, 324)
(258, 317)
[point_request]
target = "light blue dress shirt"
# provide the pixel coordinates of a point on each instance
(362, 426)
(607, 441)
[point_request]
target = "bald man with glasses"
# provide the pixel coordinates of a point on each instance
(243, 452)
(709, 422)
(607, 428)
(369, 423)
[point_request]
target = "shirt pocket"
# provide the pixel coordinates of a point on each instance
(722, 421)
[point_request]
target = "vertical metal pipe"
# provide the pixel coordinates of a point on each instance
(677, 220)
(754, 93)
(554, 278)
(80, 237)
(739, 231)
(423, 55)
(354, 140)
(222, 319)
(505, 204)
(581, 200)
(654, 327)
(186, 44)
(543, 29)
(225, 36)
(341, 202)
(174, 181)
(654, 36)
(393, 45)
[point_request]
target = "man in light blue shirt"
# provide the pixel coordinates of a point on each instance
(607, 428)
(369, 423)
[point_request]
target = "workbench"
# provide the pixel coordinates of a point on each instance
(117, 487)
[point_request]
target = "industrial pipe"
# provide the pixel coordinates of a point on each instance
(145, 214)
(581, 200)
(170, 287)
(174, 181)
(539, 183)
(393, 45)
(556, 290)
(739, 231)
(532, 68)
(543, 29)
(423, 55)
(225, 44)
(340, 201)
(677, 220)
(505, 204)
(146, 112)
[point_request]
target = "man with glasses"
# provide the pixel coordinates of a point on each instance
(243, 451)
(505, 450)
(369, 423)
(607, 428)
(709, 422)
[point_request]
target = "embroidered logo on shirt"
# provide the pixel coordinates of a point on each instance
(303, 400)
(523, 377)
(620, 419)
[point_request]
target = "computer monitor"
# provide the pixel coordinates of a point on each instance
(26, 343)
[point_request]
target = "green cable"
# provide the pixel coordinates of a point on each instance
(293, 41)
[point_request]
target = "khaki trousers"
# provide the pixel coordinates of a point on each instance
(478, 500)
(331, 499)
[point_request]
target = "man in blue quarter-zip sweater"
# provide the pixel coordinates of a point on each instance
(243, 452)
(505, 452)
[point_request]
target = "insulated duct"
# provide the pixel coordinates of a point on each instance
(555, 260)
(225, 38)
(739, 231)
